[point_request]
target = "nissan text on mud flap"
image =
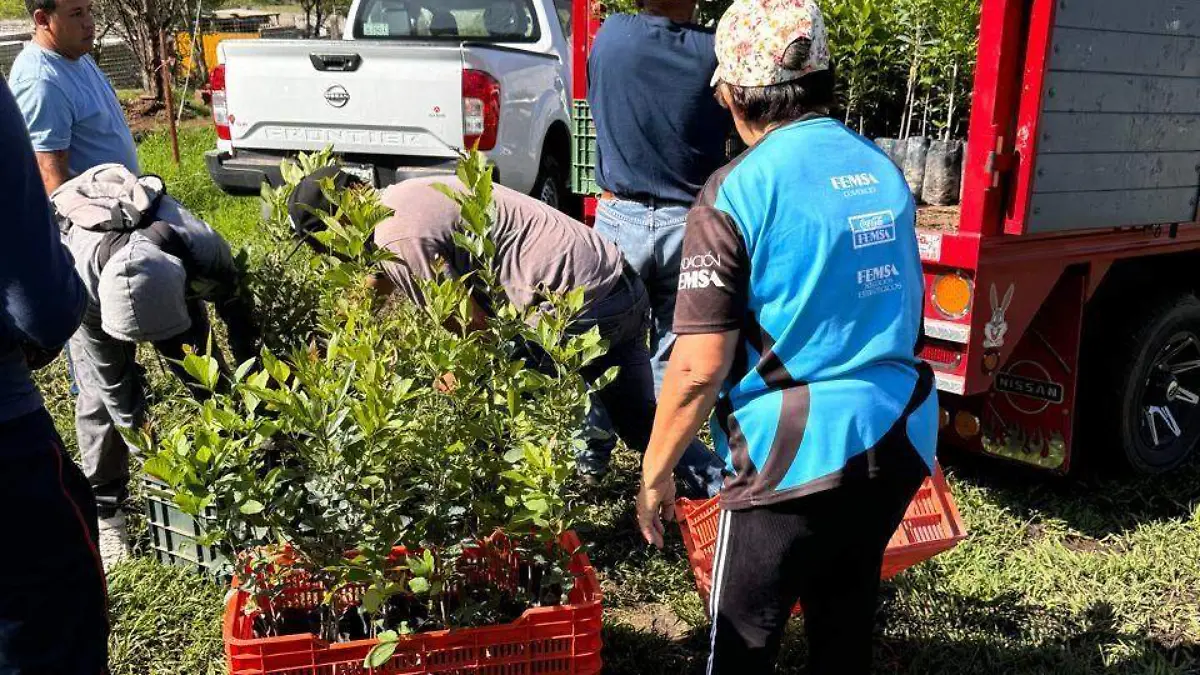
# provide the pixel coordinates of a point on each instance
(410, 85)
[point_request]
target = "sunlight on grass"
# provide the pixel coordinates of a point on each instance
(236, 218)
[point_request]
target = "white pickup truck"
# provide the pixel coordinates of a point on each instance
(413, 82)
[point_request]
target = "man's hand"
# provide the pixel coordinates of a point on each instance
(656, 503)
(446, 384)
(380, 283)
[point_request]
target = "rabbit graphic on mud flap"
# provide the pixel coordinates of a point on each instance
(997, 326)
(995, 329)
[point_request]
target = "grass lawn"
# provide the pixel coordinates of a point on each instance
(13, 9)
(1086, 575)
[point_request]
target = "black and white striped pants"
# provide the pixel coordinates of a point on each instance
(824, 550)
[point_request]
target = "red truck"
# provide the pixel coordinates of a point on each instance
(1062, 314)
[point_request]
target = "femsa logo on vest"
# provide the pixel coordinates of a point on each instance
(872, 229)
(876, 280)
(700, 271)
(855, 184)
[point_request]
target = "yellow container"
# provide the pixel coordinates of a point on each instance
(208, 48)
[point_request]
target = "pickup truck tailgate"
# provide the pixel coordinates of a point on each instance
(359, 97)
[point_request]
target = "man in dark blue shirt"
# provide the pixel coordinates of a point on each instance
(52, 599)
(659, 135)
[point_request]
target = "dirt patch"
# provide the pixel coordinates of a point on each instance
(1081, 544)
(1077, 543)
(145, 115)
(654, 618)
(941, 218)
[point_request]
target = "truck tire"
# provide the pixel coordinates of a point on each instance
(551, 186)
(1140, 384)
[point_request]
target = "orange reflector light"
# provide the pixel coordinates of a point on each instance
(952, 295)
(966, 425)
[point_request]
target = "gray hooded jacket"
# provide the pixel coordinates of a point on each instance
(138, 289)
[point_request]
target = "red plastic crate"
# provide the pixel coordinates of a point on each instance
(562, 640)
(931, 525)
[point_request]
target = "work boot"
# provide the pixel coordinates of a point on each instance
(114, 539)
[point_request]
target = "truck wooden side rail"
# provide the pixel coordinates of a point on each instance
(1061, 311)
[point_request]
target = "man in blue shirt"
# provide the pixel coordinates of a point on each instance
(52, 598)
(74, 119)
(799, 314)
(659, 135)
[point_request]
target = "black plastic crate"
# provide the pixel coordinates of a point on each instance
(174, 535)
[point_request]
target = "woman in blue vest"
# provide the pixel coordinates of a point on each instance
(799, 313)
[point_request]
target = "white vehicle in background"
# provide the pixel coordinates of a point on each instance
(412, 83)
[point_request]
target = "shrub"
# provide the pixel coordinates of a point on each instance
(399, 427)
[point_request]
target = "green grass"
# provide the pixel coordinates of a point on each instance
(235, 218)
(13, 9)
(1086, 575)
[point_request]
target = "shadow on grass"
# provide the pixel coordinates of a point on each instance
(998, 636)
(1094, 502)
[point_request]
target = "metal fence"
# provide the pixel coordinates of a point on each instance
(116, 60)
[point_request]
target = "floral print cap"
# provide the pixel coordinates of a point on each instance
(754, 34)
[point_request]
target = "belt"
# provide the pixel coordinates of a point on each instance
(652, 202)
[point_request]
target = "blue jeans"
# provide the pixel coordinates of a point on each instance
(651, 240)
(70, 370)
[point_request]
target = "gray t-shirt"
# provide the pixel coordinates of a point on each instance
(537, 247)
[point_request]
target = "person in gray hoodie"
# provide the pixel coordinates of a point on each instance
(148, 265)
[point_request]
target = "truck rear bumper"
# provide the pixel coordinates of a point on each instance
(247, 171)
(243, 173)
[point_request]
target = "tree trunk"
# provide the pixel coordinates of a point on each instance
(925, 114)
(849, 102)
(949, 132)
(911, 93)
(153, 45)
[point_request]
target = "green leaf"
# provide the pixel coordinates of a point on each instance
(161, 468)
(418, 585)
(381, 653)
(372, 600)
(251, 507)
(243, 370)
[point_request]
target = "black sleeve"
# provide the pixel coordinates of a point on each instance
(714, 274)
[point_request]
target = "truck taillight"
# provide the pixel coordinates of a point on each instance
(952, 295)
(481, 109)
(220, 110)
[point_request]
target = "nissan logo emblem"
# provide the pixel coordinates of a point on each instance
(337, 96)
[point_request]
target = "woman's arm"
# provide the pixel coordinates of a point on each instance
(699, 365)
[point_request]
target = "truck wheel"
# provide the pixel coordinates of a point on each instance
(1145, 385)
(550, 186)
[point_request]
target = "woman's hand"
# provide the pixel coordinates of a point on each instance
(656, 503)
